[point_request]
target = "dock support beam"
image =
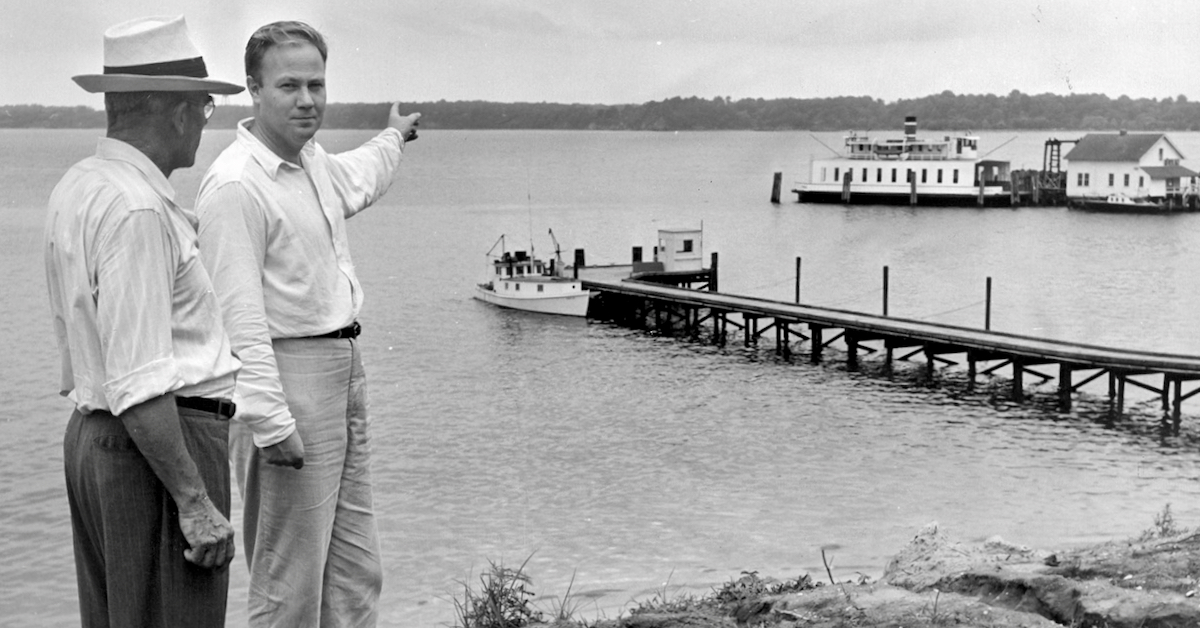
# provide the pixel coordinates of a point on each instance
(1064, 388)
(851, 350)
(776, 188)
(713, 274)
(817, 343)
(1018, 380)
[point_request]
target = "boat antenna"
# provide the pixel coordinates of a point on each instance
(824, 144)
(999, 147)
(529, 207)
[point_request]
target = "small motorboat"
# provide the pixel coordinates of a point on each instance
(522, 282)
(1122, 203)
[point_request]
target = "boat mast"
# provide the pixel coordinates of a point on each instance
(558, 263)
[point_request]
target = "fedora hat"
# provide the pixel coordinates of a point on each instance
(153, 54)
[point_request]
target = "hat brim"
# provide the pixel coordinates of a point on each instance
(141, 83)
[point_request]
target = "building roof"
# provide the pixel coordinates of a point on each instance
(1168, 172)
(1113, 146)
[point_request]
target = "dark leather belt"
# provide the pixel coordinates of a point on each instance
(349, 331)
(222, 407)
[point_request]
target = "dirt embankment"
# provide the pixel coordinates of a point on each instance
(936, 581)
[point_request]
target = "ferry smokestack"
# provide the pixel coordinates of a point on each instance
(910, 127)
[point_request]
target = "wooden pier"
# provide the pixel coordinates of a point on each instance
(689, 304)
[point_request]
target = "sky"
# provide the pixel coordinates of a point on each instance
(635, 51)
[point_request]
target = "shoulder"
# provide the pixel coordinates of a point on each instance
(230, 165)
(93, 184)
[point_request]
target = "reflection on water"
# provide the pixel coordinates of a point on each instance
(626, 459)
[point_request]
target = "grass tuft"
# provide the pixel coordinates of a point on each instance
(504, 599)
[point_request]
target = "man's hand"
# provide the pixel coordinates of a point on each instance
(288, 452)
(407, 125)
(208, 533)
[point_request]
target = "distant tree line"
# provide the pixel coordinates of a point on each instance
(944, 111)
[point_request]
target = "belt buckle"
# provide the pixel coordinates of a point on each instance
(355, 330)
(226, 408)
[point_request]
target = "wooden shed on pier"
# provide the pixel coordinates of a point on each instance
(1136, 165)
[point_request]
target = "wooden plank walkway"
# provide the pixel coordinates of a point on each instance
(623, 298)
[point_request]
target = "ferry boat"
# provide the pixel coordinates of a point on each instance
(908, 171)
(522, 282)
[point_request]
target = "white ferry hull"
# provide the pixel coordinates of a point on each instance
(574, 304)
(867, 194)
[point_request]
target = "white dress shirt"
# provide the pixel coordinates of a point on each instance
(132, 306)
(273, 236)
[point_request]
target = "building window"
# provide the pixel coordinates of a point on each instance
(687, 246)
(956, 175)
(540, 288)
(518, 288)
(836, 172)
(924, 178)
(1087, 179)
(1160, 154)
(893, 175)
(878, 175)
(823, 179)
(864, 179)
(939, 175)
(1111, 179)
(1127, 180)
(1141, 182)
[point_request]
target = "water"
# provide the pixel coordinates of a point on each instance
(627, 460)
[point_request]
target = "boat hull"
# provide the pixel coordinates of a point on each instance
(1124, 208)
(574, 304)
(924, 198)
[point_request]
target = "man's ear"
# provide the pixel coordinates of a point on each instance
(251, 85)
(179, 117)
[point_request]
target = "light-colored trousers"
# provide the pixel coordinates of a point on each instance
(310, 534)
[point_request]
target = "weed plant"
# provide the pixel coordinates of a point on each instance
(504, 599)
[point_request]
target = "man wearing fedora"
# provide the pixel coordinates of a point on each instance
(273, 209)
(145, 358)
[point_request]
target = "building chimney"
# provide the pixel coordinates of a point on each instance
(910, 127)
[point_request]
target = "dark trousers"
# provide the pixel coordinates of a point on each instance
(128, 546)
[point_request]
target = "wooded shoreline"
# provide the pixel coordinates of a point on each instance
(944, 111)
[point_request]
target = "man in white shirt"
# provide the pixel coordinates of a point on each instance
(145, 358)
(273, 210)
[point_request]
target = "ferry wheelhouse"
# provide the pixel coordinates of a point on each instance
(908, 171)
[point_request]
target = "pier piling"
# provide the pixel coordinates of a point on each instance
(670, 304)
(777, 188)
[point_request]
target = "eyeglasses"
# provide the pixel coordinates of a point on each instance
(209, 107)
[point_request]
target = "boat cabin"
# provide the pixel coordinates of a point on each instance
(910, 147)
(518, 264)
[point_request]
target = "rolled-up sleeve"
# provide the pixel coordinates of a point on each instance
(233, 241)
(361, 176)
(132, 288)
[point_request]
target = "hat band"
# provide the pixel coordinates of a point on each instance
(184, 67)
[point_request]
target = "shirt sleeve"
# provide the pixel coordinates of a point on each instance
(362, 175)
(134, 278)
(233, 243)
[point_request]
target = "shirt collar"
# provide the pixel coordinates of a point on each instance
(266, 157)
(116, 150)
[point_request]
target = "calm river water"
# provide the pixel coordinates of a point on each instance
(627, 460)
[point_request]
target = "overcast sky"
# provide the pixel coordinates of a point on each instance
(633, 51)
